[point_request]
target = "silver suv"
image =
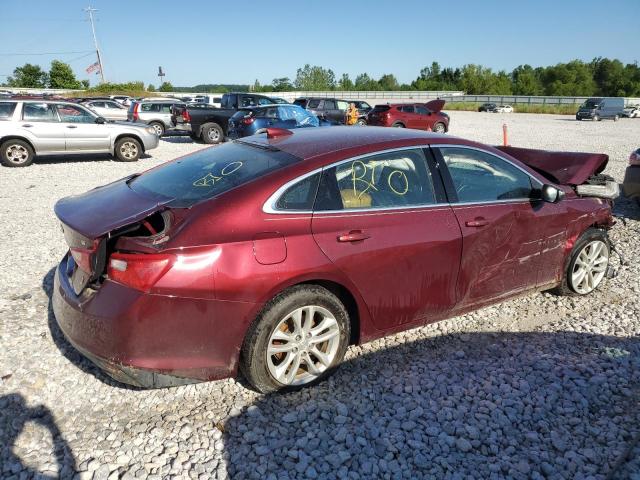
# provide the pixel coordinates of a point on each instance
(153, 112)
(30, 128)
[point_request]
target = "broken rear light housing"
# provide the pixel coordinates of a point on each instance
(139, 271)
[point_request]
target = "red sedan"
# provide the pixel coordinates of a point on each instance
(275, 252)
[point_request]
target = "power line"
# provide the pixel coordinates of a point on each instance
(43, 53)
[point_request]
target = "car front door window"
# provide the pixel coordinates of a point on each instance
(482, 177)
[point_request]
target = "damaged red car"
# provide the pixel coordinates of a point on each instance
(273, 253)
(421, 116)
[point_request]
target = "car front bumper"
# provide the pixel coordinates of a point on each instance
(150, 340)
(631, 183)
(150, 141)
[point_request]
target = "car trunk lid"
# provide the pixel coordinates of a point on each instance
(89, 220)
(435, 105)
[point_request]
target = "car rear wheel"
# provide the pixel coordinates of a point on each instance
(587, 265)
(128, 149)
(439, 128)
(299, 339)
(398, 125)
(159, 128)
(212, 133)
(16, 153)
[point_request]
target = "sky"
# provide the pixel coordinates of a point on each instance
(206, 41)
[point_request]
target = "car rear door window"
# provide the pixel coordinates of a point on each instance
(483, 177)
(388, 180)
(329, 105)
(421, 110)
(342, 105)
(7, 109)
(407, 109)
(313, 103)
(97, 104)
(150, 107)
(39, 112)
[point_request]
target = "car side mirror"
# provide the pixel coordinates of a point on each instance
(551, 194)
(101, 120)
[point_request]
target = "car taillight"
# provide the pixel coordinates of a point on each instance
(82, 257)
(139, 271)
(135, 112)
(634, 158)
(248, 120)
(185, 116)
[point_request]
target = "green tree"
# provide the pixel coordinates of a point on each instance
(28, 76)
(365, 82)
(526, 81)
(166, 87)
(388, 82)
(569, 79)
(345, 82)
(610, 77)
(61, 76)
(312, 78)
(85, 84)
(282, 84)
(151, 88)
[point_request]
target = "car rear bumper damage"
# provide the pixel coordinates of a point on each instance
(149, 340)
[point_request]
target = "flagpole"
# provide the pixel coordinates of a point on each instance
(90, 11)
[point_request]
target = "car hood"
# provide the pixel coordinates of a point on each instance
(435, 105)
(103, 209)
(569, 168)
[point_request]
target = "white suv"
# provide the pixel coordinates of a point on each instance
(30, 128)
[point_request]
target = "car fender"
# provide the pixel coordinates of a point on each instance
(26, 137)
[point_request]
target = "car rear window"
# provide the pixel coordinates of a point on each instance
(7, 109)
(209, 173)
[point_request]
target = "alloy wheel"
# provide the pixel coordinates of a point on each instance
(303, 345)
(590, 267)
(129, 150)
(439, 128)
(17, 154)
(213, 134)
(159, 129)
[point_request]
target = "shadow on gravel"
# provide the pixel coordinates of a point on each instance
(177, 138)
(66, 348)
(626, 208)
(470, 405)
(14, 416)
(76, 158)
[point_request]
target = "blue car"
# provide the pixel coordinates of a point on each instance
(247, 121)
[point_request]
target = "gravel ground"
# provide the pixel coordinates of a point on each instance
(537, 387)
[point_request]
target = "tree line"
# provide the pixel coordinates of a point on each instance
(601, 76)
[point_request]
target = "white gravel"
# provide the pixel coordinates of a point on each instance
(537, 387)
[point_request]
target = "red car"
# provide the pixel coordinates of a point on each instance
(421, 116)
(275, 252)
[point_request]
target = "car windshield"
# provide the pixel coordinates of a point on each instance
(209, 173)
(591, 103)
(301, 116)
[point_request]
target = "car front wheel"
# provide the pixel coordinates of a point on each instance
(159, 128)
(439, 128)
(298, 340)
(128, 149)
(587, 265)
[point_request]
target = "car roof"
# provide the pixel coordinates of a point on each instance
(307, 143)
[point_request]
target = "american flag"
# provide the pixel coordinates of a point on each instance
(94, 67)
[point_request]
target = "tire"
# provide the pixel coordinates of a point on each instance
(398, 125)
(571, 284)
(128, 149)
(212, 133)
(16, 153)
(362, 122)
(277, 319)
(616, 118)
(159, 128)
(440, 128)
(596, 118)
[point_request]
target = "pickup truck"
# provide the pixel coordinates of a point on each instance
(210, 124)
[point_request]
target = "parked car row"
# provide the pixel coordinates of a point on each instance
(494, 108)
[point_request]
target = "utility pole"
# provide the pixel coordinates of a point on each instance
(90, 11)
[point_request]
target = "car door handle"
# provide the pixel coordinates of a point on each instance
(71, 126)
(353, 236)
(27, 125)
(477, 222)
